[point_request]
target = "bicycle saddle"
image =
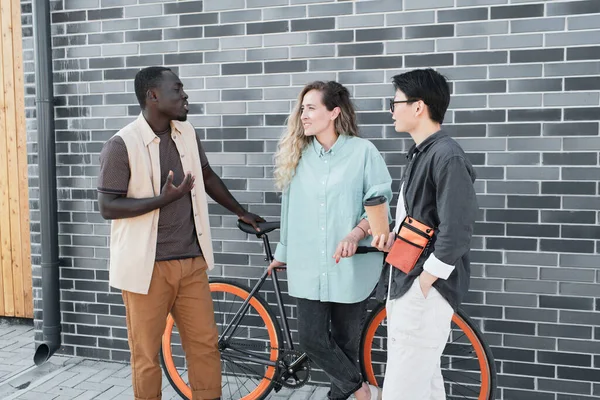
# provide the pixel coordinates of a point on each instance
(265, 227)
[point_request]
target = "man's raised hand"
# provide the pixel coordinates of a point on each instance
(171, 192)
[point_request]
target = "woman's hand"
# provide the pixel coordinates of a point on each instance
(347, 247)
(274, 265)
(383, 243)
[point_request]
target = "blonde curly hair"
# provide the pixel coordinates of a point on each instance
(294, 141)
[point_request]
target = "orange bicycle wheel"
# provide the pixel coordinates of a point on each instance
(257, 336)
(467, 363)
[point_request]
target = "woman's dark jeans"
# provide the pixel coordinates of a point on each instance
(330, 335)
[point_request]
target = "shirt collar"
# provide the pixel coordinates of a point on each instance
(426, 143)
(336, 146)
(148, 134)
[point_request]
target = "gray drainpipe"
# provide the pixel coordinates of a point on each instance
(51, 327)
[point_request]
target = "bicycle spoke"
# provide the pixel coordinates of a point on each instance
(226, 315)
(462, 360)
(230, 395)
(461, 385)
(230, 307)
(463, 334)
(246, 387)
(237, 379)
(243, 367)
(455, 385)
(263, 338)
(219, 307)
(466, 387)
(238, 325)
(466, 376)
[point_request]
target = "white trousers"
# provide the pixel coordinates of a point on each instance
(418, 329)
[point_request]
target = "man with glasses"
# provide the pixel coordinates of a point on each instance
(436, 190)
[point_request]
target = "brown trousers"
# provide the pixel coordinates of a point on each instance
(181, 288)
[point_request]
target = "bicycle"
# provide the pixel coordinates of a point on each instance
(258, 355)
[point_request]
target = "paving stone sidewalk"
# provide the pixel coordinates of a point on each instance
(76, 378)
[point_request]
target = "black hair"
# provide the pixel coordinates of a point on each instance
(146, 79)
(427, 85)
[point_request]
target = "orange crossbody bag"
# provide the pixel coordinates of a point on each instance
(411, 240)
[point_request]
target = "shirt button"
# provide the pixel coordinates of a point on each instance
(322, 228)
(183, 155)
(325, 161)
(322, 204)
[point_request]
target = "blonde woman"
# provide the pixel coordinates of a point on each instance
(325, 172)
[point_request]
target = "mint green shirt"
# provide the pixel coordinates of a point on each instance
(322, 204)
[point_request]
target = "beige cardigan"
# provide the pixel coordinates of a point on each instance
(133, 240)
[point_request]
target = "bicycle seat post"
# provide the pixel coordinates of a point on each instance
(268, 253)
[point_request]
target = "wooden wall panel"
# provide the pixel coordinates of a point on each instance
(15, 249)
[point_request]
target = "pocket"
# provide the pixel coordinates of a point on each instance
(431, 293)
(408, 310)
(418, 322)
(443, 314)
(200, 263)
(420, 290)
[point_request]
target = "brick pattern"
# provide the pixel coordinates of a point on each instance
(78, 378)
(525, 106)
(16, 348)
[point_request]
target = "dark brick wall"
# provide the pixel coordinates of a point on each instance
(526, 106)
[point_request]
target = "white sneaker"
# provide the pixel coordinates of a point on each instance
(375, 392)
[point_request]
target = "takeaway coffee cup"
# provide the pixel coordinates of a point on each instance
(377, 214)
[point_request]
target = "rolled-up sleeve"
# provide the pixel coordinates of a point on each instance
(457, 210)
(377, 180)
(114, 167)
(281, 250)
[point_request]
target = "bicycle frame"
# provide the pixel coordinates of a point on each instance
(281, 369)
(232, 326)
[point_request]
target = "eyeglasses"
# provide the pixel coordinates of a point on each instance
(393, 102)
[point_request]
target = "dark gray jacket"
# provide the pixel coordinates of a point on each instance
(438, 191)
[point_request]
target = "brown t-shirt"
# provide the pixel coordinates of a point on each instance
(176, 231)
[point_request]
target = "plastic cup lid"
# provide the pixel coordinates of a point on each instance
(375, 201)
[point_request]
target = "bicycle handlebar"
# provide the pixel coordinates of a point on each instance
(366, 249)
(266, 227)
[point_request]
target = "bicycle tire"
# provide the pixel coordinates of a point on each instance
(261, 309)
(484, 356)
